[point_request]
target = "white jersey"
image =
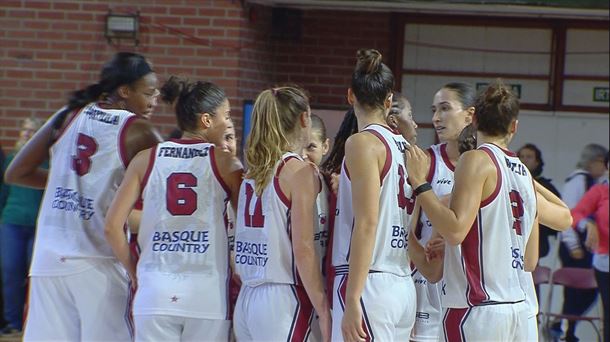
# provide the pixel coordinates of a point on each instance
(87, 167)
(321, 217)
(486, 267)
(428, 316)
(390, 252)
(183, 268)
(263, 242)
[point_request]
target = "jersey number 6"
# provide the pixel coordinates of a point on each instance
(180, 198)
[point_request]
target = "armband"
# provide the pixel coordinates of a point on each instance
(422, 188)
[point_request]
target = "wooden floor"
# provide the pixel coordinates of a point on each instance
(11, 337)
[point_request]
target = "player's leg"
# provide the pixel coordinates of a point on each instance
(101, 295)
(52, 314)
(205, 330)
(151, 328)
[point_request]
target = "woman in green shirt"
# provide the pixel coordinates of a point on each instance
(18, 212)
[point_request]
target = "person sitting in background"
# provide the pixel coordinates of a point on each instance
(18, 211)
(531, 156)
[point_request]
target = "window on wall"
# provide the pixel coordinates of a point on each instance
(549, 65)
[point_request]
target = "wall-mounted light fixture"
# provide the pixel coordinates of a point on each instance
(122, 26)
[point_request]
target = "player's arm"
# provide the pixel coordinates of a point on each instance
(25, 169)
(122, 204)
(139, 135)
(431, 269)
(364, 158)
(552, 212)
(231, 171)
(474, 176)
(304, 187)
(532, 251)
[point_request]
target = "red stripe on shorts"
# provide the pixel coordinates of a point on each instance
(452, 324)
(304, 313)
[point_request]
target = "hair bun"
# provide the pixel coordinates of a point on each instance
(172, 89)
(369, 61)
(497, 92)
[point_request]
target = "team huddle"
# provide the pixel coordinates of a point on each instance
(140, 239)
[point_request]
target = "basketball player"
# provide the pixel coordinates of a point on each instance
(374, 296)
(78, 291)
(429, 261)
(452, 110)
(183, 271)
(490, 226)
(274, 242)
(314, 151)
(400, 118)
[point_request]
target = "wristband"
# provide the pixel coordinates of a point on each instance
(422, 188)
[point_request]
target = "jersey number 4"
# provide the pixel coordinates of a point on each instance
(180, 198)
(516, 203)
(86, 146)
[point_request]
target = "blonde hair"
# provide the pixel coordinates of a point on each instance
(274, 117)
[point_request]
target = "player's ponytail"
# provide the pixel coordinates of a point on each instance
(191, 99)
(275, 119)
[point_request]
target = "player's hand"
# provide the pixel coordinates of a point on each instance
(577, 253)
(417, 165)
(133, 280)
(351, 326)
(334, 182)
(435, 248)
(325, 322)
(592, 240)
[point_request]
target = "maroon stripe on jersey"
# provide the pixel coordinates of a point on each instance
(446, 158)
(388, 155)
(151, 163)
(122, 140)
(498, 181)
(217, 175)
(473, 264)
(432, 165)
(301, 322)
(188, 141)
(276, 182)
(507, 152)
(380, 126)
(453, 324)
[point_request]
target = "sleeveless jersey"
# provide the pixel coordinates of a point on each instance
(440, 177)
(390, 251)
(321, 219)
(486, 268)
(263, 243)
(184, 261)
(87, 167)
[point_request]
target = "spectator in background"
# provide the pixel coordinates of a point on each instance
(531, 156)
(591, 169)
(18, 211)
(595, 204)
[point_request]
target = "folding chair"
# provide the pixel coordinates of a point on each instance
(576, 278)
(541, 275)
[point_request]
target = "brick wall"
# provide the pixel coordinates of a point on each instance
(50, 48)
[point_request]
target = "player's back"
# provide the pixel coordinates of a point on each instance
(493, 251)
(390, 252)
(263, 243)
(183, 265)
(87, 166)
